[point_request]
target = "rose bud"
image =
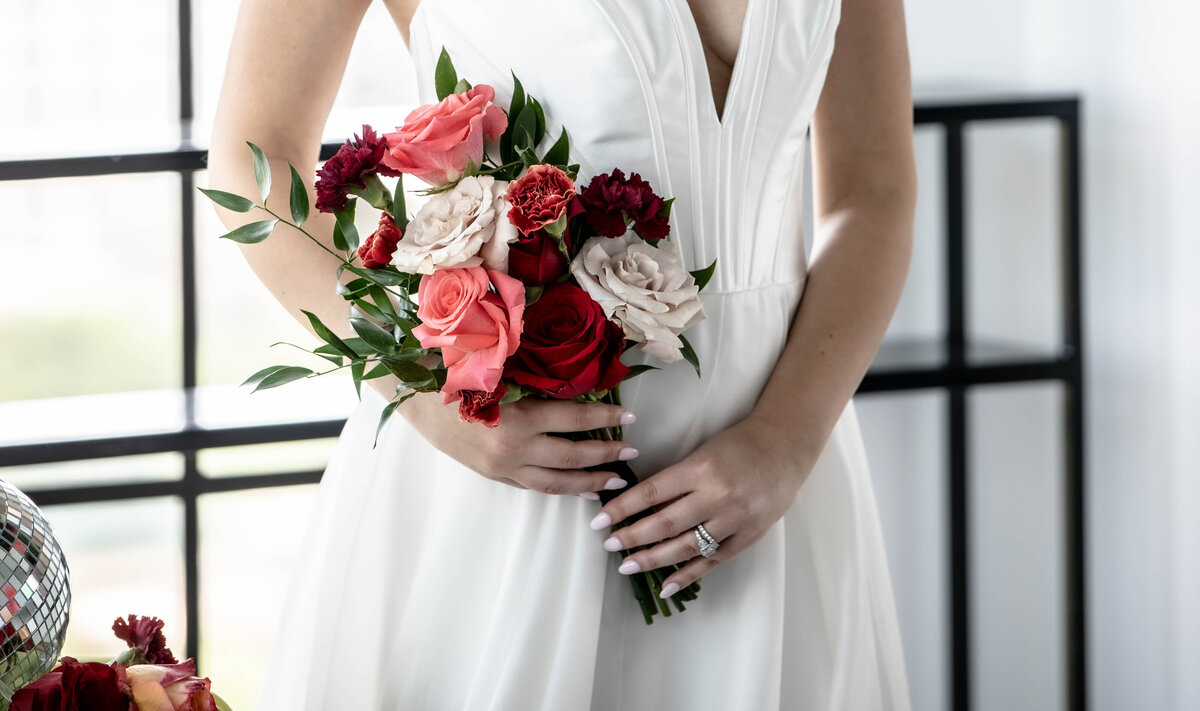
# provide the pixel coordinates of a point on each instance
(377, 250)
(536, 259)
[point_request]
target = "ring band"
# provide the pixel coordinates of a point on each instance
(708, 545)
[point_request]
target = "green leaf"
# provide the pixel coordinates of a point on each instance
(445, 78)
(262, 171)
(525, 129)
(371, 310)
(558, 227)
(636, 370)
(409, 372)
(345, 225)
(559, 153)
(514, 393)
(507, 154)
(375, 336)
(222, 705)
(355, 289)
(462, 86)
(251, 233)
(299, 198)
(532, 294)
(328, 336)
(329, 353)
(282, 376)
(229, 201)
(380, 297)
(378, 371)
(385, 277)
(399, 211)
(689, 354)
(702, 276)
(356, 372)
(387, 411)
(258, 376)
(539, 131)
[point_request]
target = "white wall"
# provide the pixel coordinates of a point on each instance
(1135, 63)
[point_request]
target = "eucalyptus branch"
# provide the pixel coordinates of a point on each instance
(304, 232)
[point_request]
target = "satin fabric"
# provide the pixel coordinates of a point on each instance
(423, 585)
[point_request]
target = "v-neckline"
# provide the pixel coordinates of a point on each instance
(699, 61)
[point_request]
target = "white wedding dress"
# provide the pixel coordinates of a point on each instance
(424, 586)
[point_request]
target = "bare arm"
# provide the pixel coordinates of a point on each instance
(285, 65)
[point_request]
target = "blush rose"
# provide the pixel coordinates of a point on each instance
(438, 140)
(169, 687)
(476, 328)
(466, 226)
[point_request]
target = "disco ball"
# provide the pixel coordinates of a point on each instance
(35, 593)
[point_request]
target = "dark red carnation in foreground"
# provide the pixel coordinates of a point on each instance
(478, 406)
(568, 347)
(377, 250)
(348, 168)
(540, 196)
(536, 259)
(146, 634)
(72, 685)
(611, 198)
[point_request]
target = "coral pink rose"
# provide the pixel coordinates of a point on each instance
(476, 328)
(437, 140)
(169, 687)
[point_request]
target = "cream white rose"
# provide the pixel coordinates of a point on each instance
(466, 226)
(643, 288)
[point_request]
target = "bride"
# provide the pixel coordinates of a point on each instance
(455, 566)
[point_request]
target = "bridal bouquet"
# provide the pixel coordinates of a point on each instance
(511, 281)
(145, 677)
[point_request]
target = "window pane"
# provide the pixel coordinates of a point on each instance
(249, 542)
(125, 557)
(95, 78)
(91, 472)
(274, 458)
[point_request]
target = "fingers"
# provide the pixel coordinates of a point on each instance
(575, 482)
(567, 416)
(662, 487)
(559, 453)
(677, 518)
(677, 549)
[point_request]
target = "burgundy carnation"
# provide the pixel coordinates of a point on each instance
(478, 406)
(568, 347)
(539, 197)
(536, 259)
(348, 168)
(377, 250)
(72, 685)
(146, 634)
(611, 199)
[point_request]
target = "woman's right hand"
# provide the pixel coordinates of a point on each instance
(522, 451)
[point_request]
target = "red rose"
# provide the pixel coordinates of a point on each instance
(71, 685)
(348, 168)
(539, 197)
(536, 259)
(478, 406)
(568, 347)
(611, 199)
(376, 252)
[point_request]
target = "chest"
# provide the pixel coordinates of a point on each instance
(720, 26)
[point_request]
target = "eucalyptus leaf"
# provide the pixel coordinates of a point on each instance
(299, 198)
(445, 78)
(283, 376)
(559, 153)
(262, 171)
(251, 233)
(229, 201)
(328, 336)
(689, 354)
(702, 276)
(374, 336)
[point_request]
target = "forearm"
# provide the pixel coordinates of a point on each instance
(853, 286)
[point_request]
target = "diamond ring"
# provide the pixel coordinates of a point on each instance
(708, 544)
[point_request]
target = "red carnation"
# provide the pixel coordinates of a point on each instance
(539, 197)
(377, 250)
(72, 685)
(145, 633)
(568, 347)
(348, 168)
(478, 406)
(611, 199)
(536, 259)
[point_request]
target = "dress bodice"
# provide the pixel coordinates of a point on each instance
(629, 81)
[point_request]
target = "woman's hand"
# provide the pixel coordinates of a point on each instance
(521, 451)
(738, 484)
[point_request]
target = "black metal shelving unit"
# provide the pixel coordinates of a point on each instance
(955, 364)
(952, 364)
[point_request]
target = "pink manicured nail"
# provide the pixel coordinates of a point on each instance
(615, 483)
(602, 520)
(626, 454)
(668, 590)
(612, 544)
(629, 567)
(628, 418)
(590, 495)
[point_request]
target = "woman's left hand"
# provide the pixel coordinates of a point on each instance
(738, 484)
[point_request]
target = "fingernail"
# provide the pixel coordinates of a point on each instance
(615, 483)
(602, 520)
(668, 590)
(629, 567)
(626, 454)
(612, 544)
(628, 418)
(590, 495)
